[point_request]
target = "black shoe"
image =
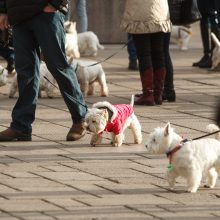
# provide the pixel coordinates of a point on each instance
(202, 61)
(206, 64)
(133, 65)
(169, 95)
(12, 135)
(11, 67)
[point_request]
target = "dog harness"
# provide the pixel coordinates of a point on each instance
(123, 112)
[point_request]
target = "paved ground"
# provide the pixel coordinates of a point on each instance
(50, 178)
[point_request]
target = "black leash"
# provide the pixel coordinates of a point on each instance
(69, 96)
(102, 61)
(206, 135)
(72, 98)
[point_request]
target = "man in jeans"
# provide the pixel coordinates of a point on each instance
(82, 22)
(40, 25)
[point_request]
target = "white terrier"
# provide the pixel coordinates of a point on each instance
(44, 84)
(189, 159)
(3, 76)
(181, 35)
(216, 52)
(88, 76)
(71, 45)
(104, 116)
(88, 43)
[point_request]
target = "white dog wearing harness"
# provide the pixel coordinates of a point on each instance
(190, 159)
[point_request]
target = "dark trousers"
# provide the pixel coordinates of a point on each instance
(150, 50)
(168, 84)
(45, 31)
(132, 55)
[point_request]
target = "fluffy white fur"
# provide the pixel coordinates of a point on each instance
(97, 120)
(181, 35)
(216, 52)
(44, 84)
(88, 76)
(88, 43)
(3, 76)
(192, 161)
(71, 45)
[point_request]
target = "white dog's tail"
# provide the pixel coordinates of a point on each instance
(212, 128)
(215, 39)
(132, 100)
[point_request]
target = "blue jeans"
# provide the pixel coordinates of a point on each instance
(131, 48)
(82, 22)
(82, 15)
(46, 31)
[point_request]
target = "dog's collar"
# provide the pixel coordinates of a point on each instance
(110, 112)
(170, 153)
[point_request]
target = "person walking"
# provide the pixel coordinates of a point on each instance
(40, 25)
(148, 21)
(209, 23)
(82, 21)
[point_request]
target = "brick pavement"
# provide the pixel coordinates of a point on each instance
(51, 179)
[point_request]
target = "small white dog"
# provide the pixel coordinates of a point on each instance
(88, 76)
(104, 116)
(189, 159)
(181, 35)
(216, 52)
(44, 84)
(3, 76)
(71, 45)
(88, 43)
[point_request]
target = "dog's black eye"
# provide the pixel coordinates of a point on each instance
(93, 121)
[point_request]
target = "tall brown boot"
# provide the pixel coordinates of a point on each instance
(147, 86)
(159, 77)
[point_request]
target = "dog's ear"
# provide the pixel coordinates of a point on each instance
(167, 129)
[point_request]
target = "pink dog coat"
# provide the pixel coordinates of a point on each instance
(123, 112)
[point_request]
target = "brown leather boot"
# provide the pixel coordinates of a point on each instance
(147, 98)
(159, 77)
(77, 131)
(12, 135)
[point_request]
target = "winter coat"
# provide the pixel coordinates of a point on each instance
(146, 16)
(120, 114)
(22, 10)
(207, 6)
(123, 112)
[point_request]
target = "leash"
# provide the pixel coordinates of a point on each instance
(69, 96)
(102, 61)
(206, 135)
(109, 57)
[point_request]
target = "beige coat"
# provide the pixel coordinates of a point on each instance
(146, 16)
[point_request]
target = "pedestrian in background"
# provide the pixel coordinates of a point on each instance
(40, 25)
(169, 93)
(132, 55)
(209, 23)
(82, 18)
(148, 21)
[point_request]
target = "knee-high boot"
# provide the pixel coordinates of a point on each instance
(147, 98)
(159, 77)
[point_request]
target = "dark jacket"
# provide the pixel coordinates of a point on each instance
(21, 10)
(207, 6)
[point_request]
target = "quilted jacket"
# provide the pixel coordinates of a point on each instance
(123, 112)
(146, 16)
(21, 10)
